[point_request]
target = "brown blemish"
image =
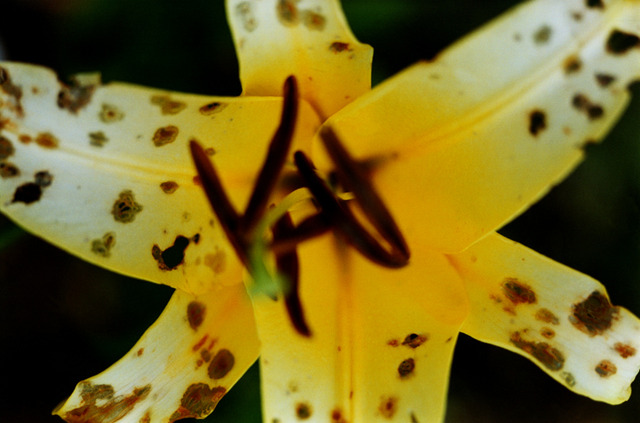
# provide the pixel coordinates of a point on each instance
(200, 343)
(413, 418)
(165, 135)
(43, 178)
(620, 42)
(216, 262)
(542, 35)
(244, 11)
(572, 64)
(6, 148)
(24, 138)
(140, 352)
(549, 356)
(198, 401)
(537, 122)
(125, 207)
(287, 11)
(110, 113)
(78, 93)
(97, 139)
(169, 187)
(313, 20)
(11, 90)
(547, 333)
(337, 417)
(604, 80)
(339, 47)
(8, 170)
(595, 4)
(414, 340)
(168, 106)
(606, 368)
(111, 408)
(221, 364)
(547, 316)
(195, 314)
(27, 193)
(624, 350)
(173, 256)
(303, 411)
(406, 368)
(388, 407)
(47, 140)
(518, 292)
(102, 246)
(569, 379)
(582, 103)
(205, 355)
(594, 315)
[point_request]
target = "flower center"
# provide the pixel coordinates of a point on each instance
(380, 241)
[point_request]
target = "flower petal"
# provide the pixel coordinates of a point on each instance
(105, 171)
(559, 318)
(181, 367)
(381, 344)
(493, 122)
(306, 38)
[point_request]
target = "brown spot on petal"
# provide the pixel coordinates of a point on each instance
(216, 262)
(624, 350)
(110, 113)
(406, 368)
(195, 314)
(606, 368)
(6, 148)
(537, 122)
(542, 35)
(100, 405)
(547, 316)
(604, 80)
(125, 207)
(169, 187)
(173, 256)
(245, 13)
(43, 178)
(549, 356)
(337, 416)
(78, 94)
(287, 11)
(572, 64)
(414, 340)
(313, 20)
(594, 315)
(303, 411)
(198, 401)
(8, 170)
(97, 139)
(165, 135)
(338, 47)
(27, 193)
(596, 4)
(168, 106)
(547, 333)
(102, 246)
(582, 103)
(12, 90)
(47, 140)
(569, 379)
(388, 407)
(620, 42)
(221, 364)
(518, 292)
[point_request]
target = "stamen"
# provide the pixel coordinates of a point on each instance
(278, 149)
(354, 179)
(288, 266)
(344, 220)
(222, 207)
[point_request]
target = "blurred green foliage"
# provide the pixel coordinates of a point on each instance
(62, 320)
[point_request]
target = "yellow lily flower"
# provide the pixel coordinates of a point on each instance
(455, 148)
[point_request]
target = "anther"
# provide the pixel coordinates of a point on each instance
(288, 266)
(353, 177)
(345, 222)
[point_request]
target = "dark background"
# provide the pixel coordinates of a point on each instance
(62, 320)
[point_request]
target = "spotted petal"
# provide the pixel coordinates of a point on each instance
(181, 367)
(462, 144)
(559, 318)
(306, 38)
(105, 172)
(381, 345)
